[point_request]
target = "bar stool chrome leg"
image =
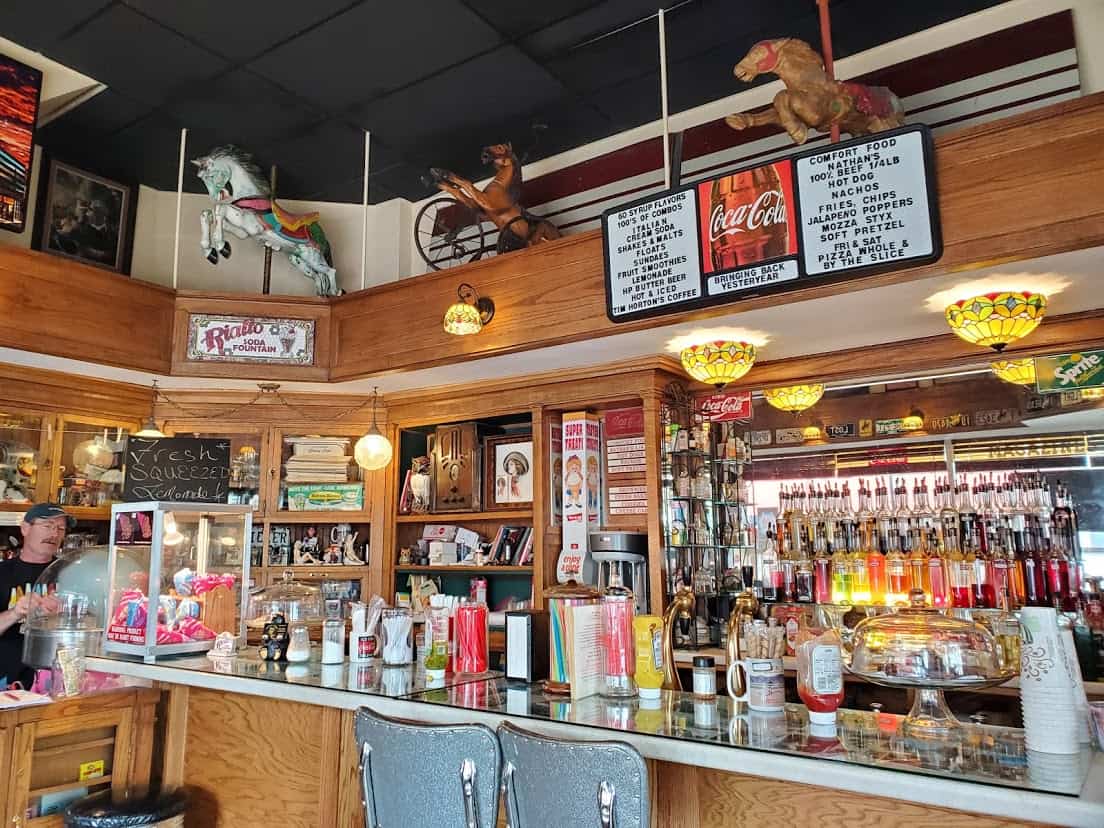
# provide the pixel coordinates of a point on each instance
(368, 802)
(467, 780)
(606, 796)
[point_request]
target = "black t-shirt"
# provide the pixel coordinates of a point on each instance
(15, 574)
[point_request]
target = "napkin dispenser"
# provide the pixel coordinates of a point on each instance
(526, 645)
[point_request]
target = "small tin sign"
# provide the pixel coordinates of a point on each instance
(838, 430)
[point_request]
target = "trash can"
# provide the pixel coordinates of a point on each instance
(98, 811)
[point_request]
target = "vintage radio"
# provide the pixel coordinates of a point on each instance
(457, 462)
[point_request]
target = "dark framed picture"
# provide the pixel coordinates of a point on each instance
(85, 217)
(508, 472)
(20, 92)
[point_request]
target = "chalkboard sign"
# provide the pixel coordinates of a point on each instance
(851, 209)
(181, 469)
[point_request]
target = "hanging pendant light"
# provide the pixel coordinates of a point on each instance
(996, 319)
(149, 425)
(1015, 371)
(373, 450)
(718, 362)
(794, 398)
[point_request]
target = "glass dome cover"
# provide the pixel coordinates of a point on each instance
(77, 579)
(920, 646)
(295, 600)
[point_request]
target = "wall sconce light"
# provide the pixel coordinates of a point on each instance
(719, 362)
(470, 314)
(794, 398)
(373, 450)
(149, 425)
(913, 422)
(1015, 371)
(810, 433)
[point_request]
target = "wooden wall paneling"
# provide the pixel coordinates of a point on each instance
(687, 796)
(142, 736)
(289, 307)
(175, 732)
(7, 734)
(39, 389)
(52, 305)
(350, 810)
(1009, 190)
(255, 761)
(331, 770)
(20, 774)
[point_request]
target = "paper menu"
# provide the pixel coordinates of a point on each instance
(586, 650)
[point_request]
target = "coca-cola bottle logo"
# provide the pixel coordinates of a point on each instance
(767, 210)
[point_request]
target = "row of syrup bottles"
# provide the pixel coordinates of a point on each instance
(994, 544)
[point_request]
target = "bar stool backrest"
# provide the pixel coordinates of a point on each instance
(419, 774)
(566, 783)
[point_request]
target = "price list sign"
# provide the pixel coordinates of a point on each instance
(867, 204)
(652, 258)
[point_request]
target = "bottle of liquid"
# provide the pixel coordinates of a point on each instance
(841, 573)
(860, 574)
(937, 573)
(803, 576)
(960, 571)
(787, 562)
(822, 566)
(897, 577)
(820, 676)
(1035, 571)
(868, 540)
(919, 575)
(618, 610)
(769, 569)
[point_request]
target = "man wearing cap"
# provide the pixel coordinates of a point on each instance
(43, 528)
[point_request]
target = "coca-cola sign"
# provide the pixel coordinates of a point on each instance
(722, 408)
(747, 217)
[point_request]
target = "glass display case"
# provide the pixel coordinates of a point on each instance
(21, 437)
(90, 463)
(191, 557)
(708, 526)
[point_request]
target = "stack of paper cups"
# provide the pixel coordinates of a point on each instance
(1052, 717)
(1080, 700)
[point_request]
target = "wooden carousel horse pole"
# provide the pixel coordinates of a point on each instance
(266, 285)
(826, 49)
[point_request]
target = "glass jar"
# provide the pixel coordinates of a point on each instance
(618, 609)
(298, 642)
(472, 632)
(705, 677)
(333, 641)
(397, 634)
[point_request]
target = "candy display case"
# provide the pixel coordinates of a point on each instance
(176, 573)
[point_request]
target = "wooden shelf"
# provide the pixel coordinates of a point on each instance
(502, 570)
(467, 517)
(327, 516)
(335, 570)
(68, 786)
(88, 512)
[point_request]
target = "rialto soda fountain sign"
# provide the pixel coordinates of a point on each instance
(251, 339)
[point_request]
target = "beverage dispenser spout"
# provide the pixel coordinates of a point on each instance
(680, 609)
(744, 609)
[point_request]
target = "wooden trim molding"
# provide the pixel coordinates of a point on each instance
(58, 391)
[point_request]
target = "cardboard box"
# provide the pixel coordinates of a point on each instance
(325, 497)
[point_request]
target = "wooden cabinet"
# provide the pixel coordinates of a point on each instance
(44, 751)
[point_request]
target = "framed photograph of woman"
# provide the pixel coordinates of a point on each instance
(85, 217)
(508, 473)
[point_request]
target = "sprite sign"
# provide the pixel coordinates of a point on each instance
(1069, 372)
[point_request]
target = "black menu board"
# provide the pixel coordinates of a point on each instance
(181, 469)
(824, 215)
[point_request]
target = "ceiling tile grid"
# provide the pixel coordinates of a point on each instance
(297, 83)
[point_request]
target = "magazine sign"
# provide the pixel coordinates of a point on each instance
(855, 208)
(250, 339)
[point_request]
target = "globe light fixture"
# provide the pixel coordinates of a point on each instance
(996, 319)
(470, 314)
(373, 450)
(718, 362)
(810, 433)
(794, 398)
(913, 422)
(1015, 371)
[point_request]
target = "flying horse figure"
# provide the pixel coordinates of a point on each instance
(244, 205)
(811, 98)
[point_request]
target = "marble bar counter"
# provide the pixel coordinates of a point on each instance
(710, 763)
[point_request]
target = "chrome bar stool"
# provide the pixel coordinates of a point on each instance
(560, 782)
(414, 773)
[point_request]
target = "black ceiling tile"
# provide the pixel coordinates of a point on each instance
(515, 19)
(495, 86)
(630, 104)
(332, 148)
(240, 29)
(858, 25)
(594, 22)
(245, 105)
(101, 114)
(38, 23)
(139, 58)
(375, 48)
(610, 61)
(403, 180)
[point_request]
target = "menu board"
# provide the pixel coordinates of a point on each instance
(858, 207)
(183, 469)
(652, 254)
(865, 205)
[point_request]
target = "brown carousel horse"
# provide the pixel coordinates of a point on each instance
(811, 98)
(498, 201)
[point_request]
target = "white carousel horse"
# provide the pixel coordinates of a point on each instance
(244, 206)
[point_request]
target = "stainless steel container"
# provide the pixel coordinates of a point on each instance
(40, 645)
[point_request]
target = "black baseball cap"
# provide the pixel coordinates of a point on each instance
(41, 511)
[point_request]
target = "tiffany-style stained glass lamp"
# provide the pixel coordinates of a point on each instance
(1015, 371)
(718, 362)
(470, 314)
(794, 398)
(996, 319)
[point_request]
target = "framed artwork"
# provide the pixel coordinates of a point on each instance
(85, 217)
(20, 92)
(508, 473)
